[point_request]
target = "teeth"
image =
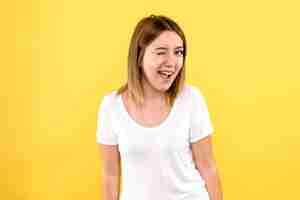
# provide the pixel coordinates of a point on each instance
(165, 73)
(168, 73)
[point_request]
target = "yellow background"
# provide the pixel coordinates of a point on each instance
(58, 58)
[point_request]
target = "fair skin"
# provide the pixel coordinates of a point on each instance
(206, 165)
(163, 54)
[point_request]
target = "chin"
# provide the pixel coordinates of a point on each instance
(166, 87)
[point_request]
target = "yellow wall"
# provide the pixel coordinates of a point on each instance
(60, 57)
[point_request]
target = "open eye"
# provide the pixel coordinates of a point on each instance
(179, 52)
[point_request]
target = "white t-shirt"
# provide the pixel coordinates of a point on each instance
(156, 162)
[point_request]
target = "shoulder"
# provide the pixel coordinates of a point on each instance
(109, 100)
(192, 91)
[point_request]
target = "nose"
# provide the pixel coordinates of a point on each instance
(171, 60)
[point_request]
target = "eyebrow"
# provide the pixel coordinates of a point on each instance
(165, 48)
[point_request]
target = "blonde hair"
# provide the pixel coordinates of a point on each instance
(146, 30)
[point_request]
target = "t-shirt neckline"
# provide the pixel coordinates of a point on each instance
(162, 124)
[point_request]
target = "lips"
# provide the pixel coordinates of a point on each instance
(165, 74)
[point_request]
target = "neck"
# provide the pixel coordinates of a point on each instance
(151, 94)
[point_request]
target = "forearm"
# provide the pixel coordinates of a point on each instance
(213, 184)
(110, 188)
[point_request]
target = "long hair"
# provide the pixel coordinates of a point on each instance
(146, 30)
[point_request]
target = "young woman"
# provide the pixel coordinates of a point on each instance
(154, 132)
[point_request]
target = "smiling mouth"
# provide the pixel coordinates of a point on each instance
(165, 75)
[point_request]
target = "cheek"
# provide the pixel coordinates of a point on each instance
(178, 72)
(180, 66)
(180, 62)
(151, 65)
(150, 62)
(150, 70)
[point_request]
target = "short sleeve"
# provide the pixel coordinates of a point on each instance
(105, 133)
(200, 122)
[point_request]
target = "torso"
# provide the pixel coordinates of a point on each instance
(151, 115)
(160, 157)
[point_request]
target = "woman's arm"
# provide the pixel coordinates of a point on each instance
(110, 173)
(206, 165)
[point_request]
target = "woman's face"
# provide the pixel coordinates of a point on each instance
(162, 61)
